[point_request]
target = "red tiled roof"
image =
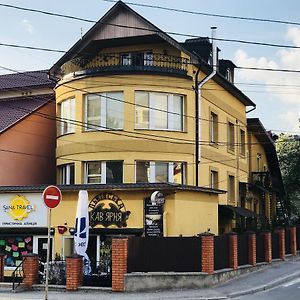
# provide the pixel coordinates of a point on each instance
(25, 80)
(13, 110)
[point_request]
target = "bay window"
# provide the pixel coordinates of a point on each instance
(104, 172)
(156, 171)
(104, 111)
(158, 111)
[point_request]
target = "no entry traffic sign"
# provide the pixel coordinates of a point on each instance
(52, 196)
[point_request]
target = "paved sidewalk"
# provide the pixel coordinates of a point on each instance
(266, 278)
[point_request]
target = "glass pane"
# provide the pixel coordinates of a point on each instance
(114, 110)
(177, 112)
(126, 59)
(178, 173)
(67, 111)
(72, 174)
(93, 112)
(94, 172)
(159, 108)
(161, 172)
(114, 172)
(141, 110)
(142, 171)
(148, 58)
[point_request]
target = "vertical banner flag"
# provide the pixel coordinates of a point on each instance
(81, 236)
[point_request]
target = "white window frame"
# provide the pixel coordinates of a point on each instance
(170, 114)
(170, 171)
(67, 116)
(103, 171)
(66, 169)
(103, 112)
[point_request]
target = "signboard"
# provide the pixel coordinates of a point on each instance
(23, 210)
(52, 196)
(107, 209)
(153, 219)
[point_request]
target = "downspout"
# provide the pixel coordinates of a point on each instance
(198, 91)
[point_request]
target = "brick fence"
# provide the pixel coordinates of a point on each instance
(120, 254)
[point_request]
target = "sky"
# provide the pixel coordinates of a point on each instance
(276, 94)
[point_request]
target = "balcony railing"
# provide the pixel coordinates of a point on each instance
(119, 62)
(262, 179)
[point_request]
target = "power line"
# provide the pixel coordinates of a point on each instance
(210, 14)
(141, 28)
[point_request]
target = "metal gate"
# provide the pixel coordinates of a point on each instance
(99, 251)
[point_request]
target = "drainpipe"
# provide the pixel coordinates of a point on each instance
(198, 90)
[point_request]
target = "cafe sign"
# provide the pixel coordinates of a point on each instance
(107, 209)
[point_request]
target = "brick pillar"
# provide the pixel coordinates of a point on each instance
(74, 272)
(281, 237)
(233, 250)
(207, 253)
(293, 240)
(119, 263)
(30, 269)
(267, 246)
(252, 248)
(2, 255)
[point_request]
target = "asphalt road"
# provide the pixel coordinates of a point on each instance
(286, 291)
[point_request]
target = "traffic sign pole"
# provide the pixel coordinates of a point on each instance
(48, 254)
(52, 197)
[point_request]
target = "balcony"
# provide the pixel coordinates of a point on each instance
(118, 63)
(261, 179)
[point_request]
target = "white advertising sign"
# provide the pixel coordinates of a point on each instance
(22, 210)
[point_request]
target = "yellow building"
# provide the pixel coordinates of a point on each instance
(137, 113)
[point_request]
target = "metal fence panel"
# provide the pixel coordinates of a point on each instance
(243, 249)
(221, 252)
(171, 254)
(275, 245)
(288, 249)
(260, 248)
(298, 237)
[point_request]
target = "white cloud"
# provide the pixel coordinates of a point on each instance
(28, 26)
(282, 87)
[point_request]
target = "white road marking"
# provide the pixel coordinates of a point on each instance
(297, 280)
(51, 197)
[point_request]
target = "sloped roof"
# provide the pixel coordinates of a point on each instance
(25, 80)
(137, 26)
(12, 110)
(255, 126)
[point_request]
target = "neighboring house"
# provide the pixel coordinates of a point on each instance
(27, 129)
(265, 194)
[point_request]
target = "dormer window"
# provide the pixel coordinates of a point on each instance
(137, 58)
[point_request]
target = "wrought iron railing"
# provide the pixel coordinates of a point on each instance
(57, 272)
(18, 276)
(262, 179)
(133, 61)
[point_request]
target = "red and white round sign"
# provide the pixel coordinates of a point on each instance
(52, 196)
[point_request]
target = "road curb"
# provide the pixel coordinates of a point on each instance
(264, 287)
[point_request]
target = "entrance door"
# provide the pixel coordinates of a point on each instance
(42, 248)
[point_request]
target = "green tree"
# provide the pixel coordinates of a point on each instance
(288, 152)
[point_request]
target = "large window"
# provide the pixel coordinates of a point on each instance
(104, 111)
(231, 189)
(243, 141)
(155, 171)
(158, 111)
(213, 128)
(104, 172)
(67, 117)
(214, 179)
(66, 174)
(230, 136)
